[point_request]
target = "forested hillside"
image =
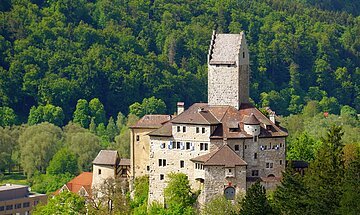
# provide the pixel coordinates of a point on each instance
(120, 51)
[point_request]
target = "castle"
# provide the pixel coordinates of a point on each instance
(223, 146)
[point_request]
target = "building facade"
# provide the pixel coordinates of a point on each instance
(223, 146)
(18, 200)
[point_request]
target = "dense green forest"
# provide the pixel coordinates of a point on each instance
(56, 52)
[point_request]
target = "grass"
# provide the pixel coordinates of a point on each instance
(13, 178)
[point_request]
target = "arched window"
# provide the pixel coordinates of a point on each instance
(271, 175)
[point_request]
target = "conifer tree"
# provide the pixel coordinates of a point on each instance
(325, 174)
(111, 129)
(255, 201)
(349, 203)
(290, 196)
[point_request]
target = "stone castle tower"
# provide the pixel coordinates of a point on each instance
(228, 70)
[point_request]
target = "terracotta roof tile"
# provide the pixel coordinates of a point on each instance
(224, 156)
(82, 180)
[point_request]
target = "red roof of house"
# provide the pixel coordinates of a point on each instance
(82, 180)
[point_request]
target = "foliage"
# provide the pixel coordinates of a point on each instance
(64, 161)
(325, 174)
(178, 196)
(81, 113)
(141, 191)
(38, 144)
(291, 195)
(84, 145)
(255, 201)
(150, 105)
(48, 113)
(64, 203)
(349, 203)
(111, 196)
(48, 183)
(302, 148)
(58, 52)
(7, 116)
(219, 205)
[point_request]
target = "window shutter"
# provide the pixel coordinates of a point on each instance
(182, 146)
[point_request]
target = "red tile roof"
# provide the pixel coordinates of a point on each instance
(83, 180)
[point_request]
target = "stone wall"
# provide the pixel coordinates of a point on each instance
(223, 85)
(216, 181)
(140, 150)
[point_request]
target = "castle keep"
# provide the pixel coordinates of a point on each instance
(223, 146)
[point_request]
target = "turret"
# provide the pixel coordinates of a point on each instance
(252, 125)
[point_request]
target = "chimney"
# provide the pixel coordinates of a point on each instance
(272, 117)
(180, 107)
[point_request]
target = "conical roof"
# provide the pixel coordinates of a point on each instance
(251, 120)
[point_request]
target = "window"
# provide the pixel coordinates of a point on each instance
(162, 162)
(203, 130)
(269, 165)
(174, 145)
(255, 138)
(204, 146)
(184, 128)
(245, 146)
(197, 130)
(161, 176)
(137, 138)
(17, 206)
(2, 208)
(237, 148)
(188, 145)
(26, 204)
(255, 172)
(229, 170)
(99, 172)
(243, 54)
(280, 162)
(182, 164)
(280, 145)
(178, 145)
(270, 146)
(9, 207)
(162, 145)
(178, 128)
(255, 155)
(199, 166)
(148, 168)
